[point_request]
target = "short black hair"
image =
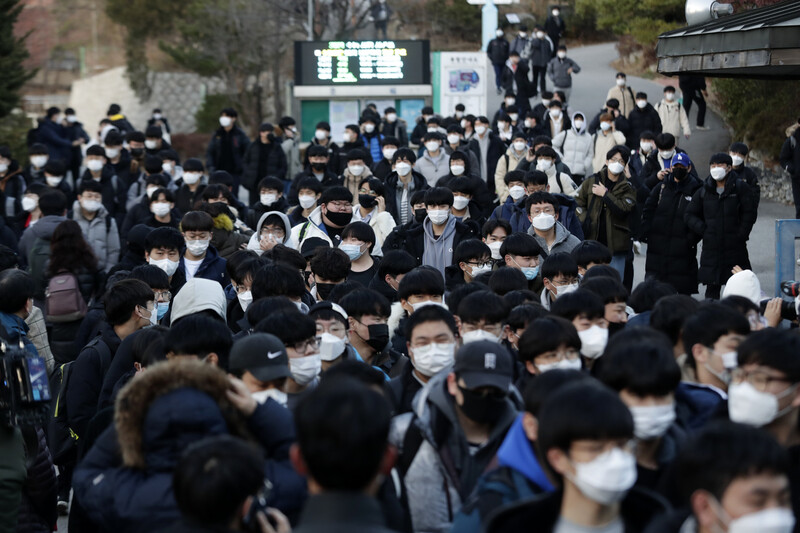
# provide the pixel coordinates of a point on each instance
(155, 277)
(514, 175)
(493, 223)
(559, 263)
(538, 390)
(396, 262)
(280, 253)
(214, 477)
(361, 302)
(471, 250)
(200, 335)
(366, 374)
(89, 185)
(589, 252)
(541, 197)
(648, 292)
(670, 312)
(665, 141)
(277, 280)
(290, 326)
(623, 151)
(242, 263)
(521, 316)
(166, 194)
(336, 193)
(167, 238)
(536, 178)
(600, 271)
(453, 298)
(53, 203)
(711, 321)
(342, 432)
(310, 183)
(520, 244)
(610, 290)
(331, 264)
(340, 290)
(577, 303)
(123, 297)
(262, 308)
(421, 280)
(361, 231)
(439, 196)
(482, 305)
(506, 279)
(16, 288)
(640, 360)
(430, 313)
(774, 348)
(404, 153)
(196, 221)
(547, 334)
(271, 182)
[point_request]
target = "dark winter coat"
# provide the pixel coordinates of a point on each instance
(525, 88)
(497, 50)
(239, 143)
(185, 198)
(397, 129)
(55, 137)
(212, 267)
(747, 175)
(671, 248)
(12, 186)
(412, 240)
(258, 209)
(621, 124)
(391, 191)
(275, 164)
(652, 166)
(37, 512)
(724, 222)
(615, 207)
(480, 193)
(497, 149)
(641, 120)
(358, 144)
(790, 154)
(333, 156)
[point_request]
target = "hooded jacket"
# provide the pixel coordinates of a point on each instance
(442, 472)
(197, 295)
(313, 227)
(254, 243)
(224, 237)
(212, 267)
(125, 481)
(565, 241)
(615, 206)
(673, 117)
(412, 240)
(576, 146)
(101, 233)
(433, 168)
(43, 229)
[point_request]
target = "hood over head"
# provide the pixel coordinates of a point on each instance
(197, 295)
(253, 243)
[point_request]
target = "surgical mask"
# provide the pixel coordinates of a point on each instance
(578, 124)
(530, 272)
(545, 102)
(157, 116)
(645, 147)
(669, 96)
(561, 55)
(268, 198)
(556, 12)
(378, 336)
(419, 305)
(652, 421)
(402, 169)
(72, 119)
(53, 181)
(513, 116)
(356, 170)
(434, 357)
(747, 405)
(479, 335)
(519, 145)
(517, 192)
(641, 104)
(477, 271)
(480, 130)
(561, 290)
(153, 316)
(320, 135)
(620, 82)
(666, 154)
(92, 206)
(593, 341)
(457, 170)
(95, 165)
(737, 159)
(29, 204)
(150, 145)
(150, 190)
(161, 309)
(167, 265)
(160, 209)
(608, 477)
(463, 123)
(770, 520)
(605, 126)
(528, 123)
(190, 178)
(495, 248)
(197, 248)
(615, 167)
(460, 202)
(499, 33)
(307, 200)
(555, 113)
(353, 251)
(730, 360)
(391, 117)
(39, 160)
(3, 167)
(369, 128)
(225, 121)
(330, 347)
(564, 364)
(438, 216)
(511, 101)
(501, 125)
(543, 221)
(112, 153)
(453, 138)
(540, 35)
(543, 165)
(718, 173)
(305, 369)
(431, 146)
(276, 394)
(245, 299)
(388, 153)
(167, 167)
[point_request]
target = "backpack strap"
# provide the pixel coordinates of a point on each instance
(302, 233)
(558, 180)
(412, 441)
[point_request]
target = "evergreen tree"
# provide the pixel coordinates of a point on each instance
(13, 53)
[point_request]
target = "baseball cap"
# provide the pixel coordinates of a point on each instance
(681, 158)
(261, 354)
(484, 364)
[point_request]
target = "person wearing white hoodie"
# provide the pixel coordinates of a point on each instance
(273, 228)
(577, 147)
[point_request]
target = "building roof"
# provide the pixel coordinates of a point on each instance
(760, 43)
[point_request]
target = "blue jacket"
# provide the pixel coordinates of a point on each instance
(696, 404)
(373, 144)
(212, 267)
(55, 137)
(13, 329)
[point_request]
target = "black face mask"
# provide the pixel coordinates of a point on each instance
(324, 289)
(367, 200)
(615, 327)
(339, 219)
(481, 409)
(680, 173)
(137, 153)
(378, 336)
(319, 167)
(420, 214)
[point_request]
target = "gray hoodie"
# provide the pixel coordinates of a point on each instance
(254, 242)
(43, 228)
(565, 241)
(102, 236)
(438, 253)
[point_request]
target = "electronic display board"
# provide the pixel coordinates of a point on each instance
(350, 63)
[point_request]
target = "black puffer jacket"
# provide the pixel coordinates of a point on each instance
(37, 511)
(671, 248)
(641, 120)
(724, 222)
(274, 163)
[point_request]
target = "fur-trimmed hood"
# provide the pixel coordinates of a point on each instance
(169, 406)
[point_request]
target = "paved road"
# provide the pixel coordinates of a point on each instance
(590, 87)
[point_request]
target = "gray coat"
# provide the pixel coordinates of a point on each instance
(565, 241)
(291, 148)
(433, 168)
(102, 237)
(557, 71)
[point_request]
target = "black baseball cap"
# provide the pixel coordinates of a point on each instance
(261, 354)
(484, 364)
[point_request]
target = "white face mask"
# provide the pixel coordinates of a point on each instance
(160, 209)
(730, 360)
(268, 198)
(718, 173)
(608, 477)
(438, 216)
(480, 130)
(157, 116)
(95, 165)
(555, 113)
(330, 346)
(197, 248)
(543, 164)
(356, 170)
(564, 364)
(39, 160)
(620, 82)
(29, 204)
(433, 129)
(540, 35)
(453, 138)
(645, 147)
(402, 169)
(545, 102)
(561, 290)
(499, 33)
(495, 248)
(388, 153)
(276, 394)
(307, 200)
(464, 123)
(190, 178)
(53, 181)
(433, 358)
(556, 12)
(516, 192)
(369, 128)
(112, 153)
(457, 170)
(478, 335)
(747, 405)
(519, 146)
(593, 341)
(578, 124)
(669, 96)
(151, 189)
(666, 154)
(652, 421)
(305, 369)
(543, 221)
(320, 135)
(167, 265)
(477, 271)
(167, 167)
(91, 206)
(150, 145)
(460, 202)
(245, 299)
(391, 117)
(3, 167)
(417, 306)
(225, 121)
(615, 167)
(641, 104)
(770, 520)
(431, 146)
(561, 55)
(510, 101)
(737, 159)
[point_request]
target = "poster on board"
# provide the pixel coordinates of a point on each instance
(463, 80)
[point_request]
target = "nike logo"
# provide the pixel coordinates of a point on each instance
(273, 355)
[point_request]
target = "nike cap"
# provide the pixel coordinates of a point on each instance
(261, 354)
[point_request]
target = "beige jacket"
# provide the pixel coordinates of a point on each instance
(602, 144)
(505, 164)
(673, 118)
(625, 97)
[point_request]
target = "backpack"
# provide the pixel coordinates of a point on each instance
(63, 299)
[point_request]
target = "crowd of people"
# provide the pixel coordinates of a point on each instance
(428, 327)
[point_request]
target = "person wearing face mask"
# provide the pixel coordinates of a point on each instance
(605, 138)
(228, 147)
(381, 169)
(674, 118)
(290, 143)
(469, 404)
(200, 259)
(548, 343)
(391, 270)
(353, 140)
(154, 142)
(585, 433)
(318, 168)
(711, 337)
(738, 152)
(576, 145)
(264, 157)
(371, 208)
(456, 141)
(515, 80)
(481, 315)
(434, 162)
(171, 167)
(613, 294)
(540, 50)
(372, 137)
(520, 41)
(355, 170)
(557, 181)
(461, 179)
(722, 213)
(586, 311)
(401, 184)
(260, 361)
(115, 191)
(642, 118)
(358, 241)
(497, 50)
(326, 222)
(494, 232)
(488, 148)
(420, 287)
(658, 162)
(38, 157)
(332, 330)
(309, 191)
(98, 226)
(54, 174)
(522, 252)
(544, 211)
(470, 259)
(322, 137)
(54, 135)
(623, 93)
(190, 185)
(162, 210)
(508, 163)
(672, 249)
(647, 144)
(395, 127)
(153, 166)
(559, 276)
(555, 27)
(560, 70)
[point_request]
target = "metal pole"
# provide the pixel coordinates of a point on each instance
(488, 23)
(310, 20)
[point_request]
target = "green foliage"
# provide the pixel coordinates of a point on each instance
(756, 110)
(13, 133)
(12, 55)
(207, 116)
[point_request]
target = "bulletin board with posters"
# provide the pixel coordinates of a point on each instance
(460, 78)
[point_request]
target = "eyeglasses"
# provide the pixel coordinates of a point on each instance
(340, 205)
(759, 379)
(539, 210)
(480, 264)
(570, 354)
(163, 295)
(303, 347)
(275, 231)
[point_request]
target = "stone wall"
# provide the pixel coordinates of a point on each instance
(776, 183)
